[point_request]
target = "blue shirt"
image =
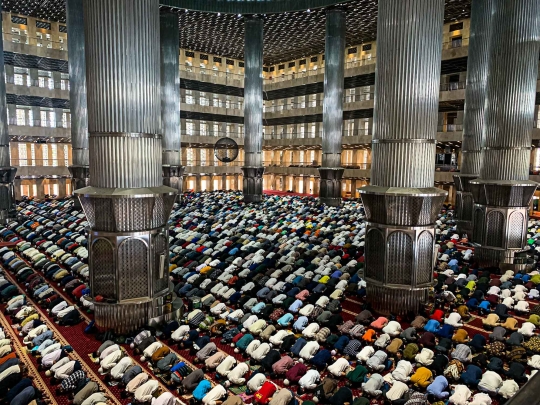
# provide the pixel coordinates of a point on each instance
(438, 387)
(285, 319)
(201, 390)
(485, 305)
(258, 308)
(177, 366)
(432, 326)
(296, 305)
(300, 323)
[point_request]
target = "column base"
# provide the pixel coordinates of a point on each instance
(330, 185)
(80, 178)
(505, 259)
(396, 300)
(173, 177)
(8, 209)
(126, 317)
(253, 184)
(399, 249)
(464, 204)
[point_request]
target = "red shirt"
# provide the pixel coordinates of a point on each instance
(77, 292)
(265, 393)
(438, 315)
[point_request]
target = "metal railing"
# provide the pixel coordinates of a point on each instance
(29, 162)
(36, 83)
(34, 41)
(455, 43)
(216, 134)
(210, 72)
(39, 123)
(311, 135)
(452, 86)
(446, 168)
(450, 128)
(208, 102)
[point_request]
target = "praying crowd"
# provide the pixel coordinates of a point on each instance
(275, 312)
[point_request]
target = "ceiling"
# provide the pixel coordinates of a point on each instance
(287, 36)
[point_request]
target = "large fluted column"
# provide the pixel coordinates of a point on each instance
(475, 101)
(7, 172)
(170, 102)
(253, 109)
(503, 191)
(126, 203)
(80, 170)
(401, 203)
(331, 171)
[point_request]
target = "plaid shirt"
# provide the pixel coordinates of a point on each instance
(352, 348)
(70, 383)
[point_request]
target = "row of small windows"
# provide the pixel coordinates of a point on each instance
(39, 24)
(47, 118)
(25, 160)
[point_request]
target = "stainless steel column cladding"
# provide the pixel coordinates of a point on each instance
(80, 170)
(170, 101)
(331, 171)
(126, 204)
(7, 172)
(503, 191)
(253, 109)
(401, 203)
(475, 101)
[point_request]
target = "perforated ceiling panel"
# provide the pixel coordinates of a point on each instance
(288, 36)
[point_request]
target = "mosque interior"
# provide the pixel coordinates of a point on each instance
(277, 202)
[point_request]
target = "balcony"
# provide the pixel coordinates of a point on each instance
(43, 47)
(36, 88)
(28, 168)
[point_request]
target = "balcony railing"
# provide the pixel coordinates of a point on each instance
(312, 135)
(210, 103)
(210, 72)
(39, 123)
(452, 86)
(217, 134)
(35, 41)
(456, 43)
(36, 83)
(29, 162)
(450, 128)
(446, 168)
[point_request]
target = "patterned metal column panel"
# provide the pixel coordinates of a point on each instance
(126, 202)
(124, 97)
(77, 82)
(253, 109)
(334, 69)
(401, 203)
(503, 187)
(409, 42)
(7, 173)
(475, 101)
(475, 93)
(170, 102)
(4, 134)
(511, 90)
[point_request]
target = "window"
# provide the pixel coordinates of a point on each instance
(33, 153)
(203, 100)
(456, 27)
(41, 81)
(54, 154)
(366, 47)
(31, 118)
(18, 79)
(45, 149)
(189, 97)
(302, 62)
(21, 119)
(456, 42)
(203, 157)
(52, 119)
(204, 128)
(190, 128)
(352, 51)
(189, 153)
(64, 120)
(43, 118)
(51, 84)
(66, 155)
(23, 161)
